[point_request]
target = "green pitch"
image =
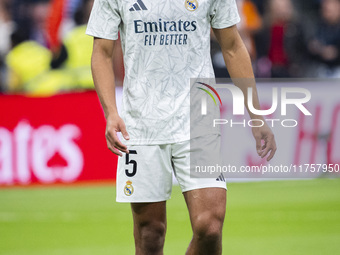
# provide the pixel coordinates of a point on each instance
(285, 217)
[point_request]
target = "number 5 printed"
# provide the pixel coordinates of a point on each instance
(133, 162)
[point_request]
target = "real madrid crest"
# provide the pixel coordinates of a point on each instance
(128, 189)
(191, 5)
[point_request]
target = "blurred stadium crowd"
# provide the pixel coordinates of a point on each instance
(44, 49)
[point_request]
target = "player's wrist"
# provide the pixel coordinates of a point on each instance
(256, 117)
(112, 115)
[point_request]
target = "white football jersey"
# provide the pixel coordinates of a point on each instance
(165, 43)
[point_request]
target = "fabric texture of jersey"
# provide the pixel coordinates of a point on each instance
(165, 43)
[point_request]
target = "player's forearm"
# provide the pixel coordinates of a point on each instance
(239, 67)
(104, 81)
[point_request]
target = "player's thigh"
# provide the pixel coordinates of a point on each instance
(145, 174)
(205, 194)
(207, 207)
(149, 220)
(149, 214)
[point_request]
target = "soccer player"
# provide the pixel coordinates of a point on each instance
(165, 43)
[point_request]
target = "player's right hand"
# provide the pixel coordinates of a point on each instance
(113, 125)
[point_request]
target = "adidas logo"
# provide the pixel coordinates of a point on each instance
(220, 178)
(138, 6)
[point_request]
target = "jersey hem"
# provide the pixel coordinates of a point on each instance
(225, 25)
(108, 37)
(160, 142)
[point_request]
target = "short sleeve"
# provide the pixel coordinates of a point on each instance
(224, 13)
(104, 20)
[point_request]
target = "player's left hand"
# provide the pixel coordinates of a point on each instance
(264, 134)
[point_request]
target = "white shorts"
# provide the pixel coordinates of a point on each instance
(145, 174)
